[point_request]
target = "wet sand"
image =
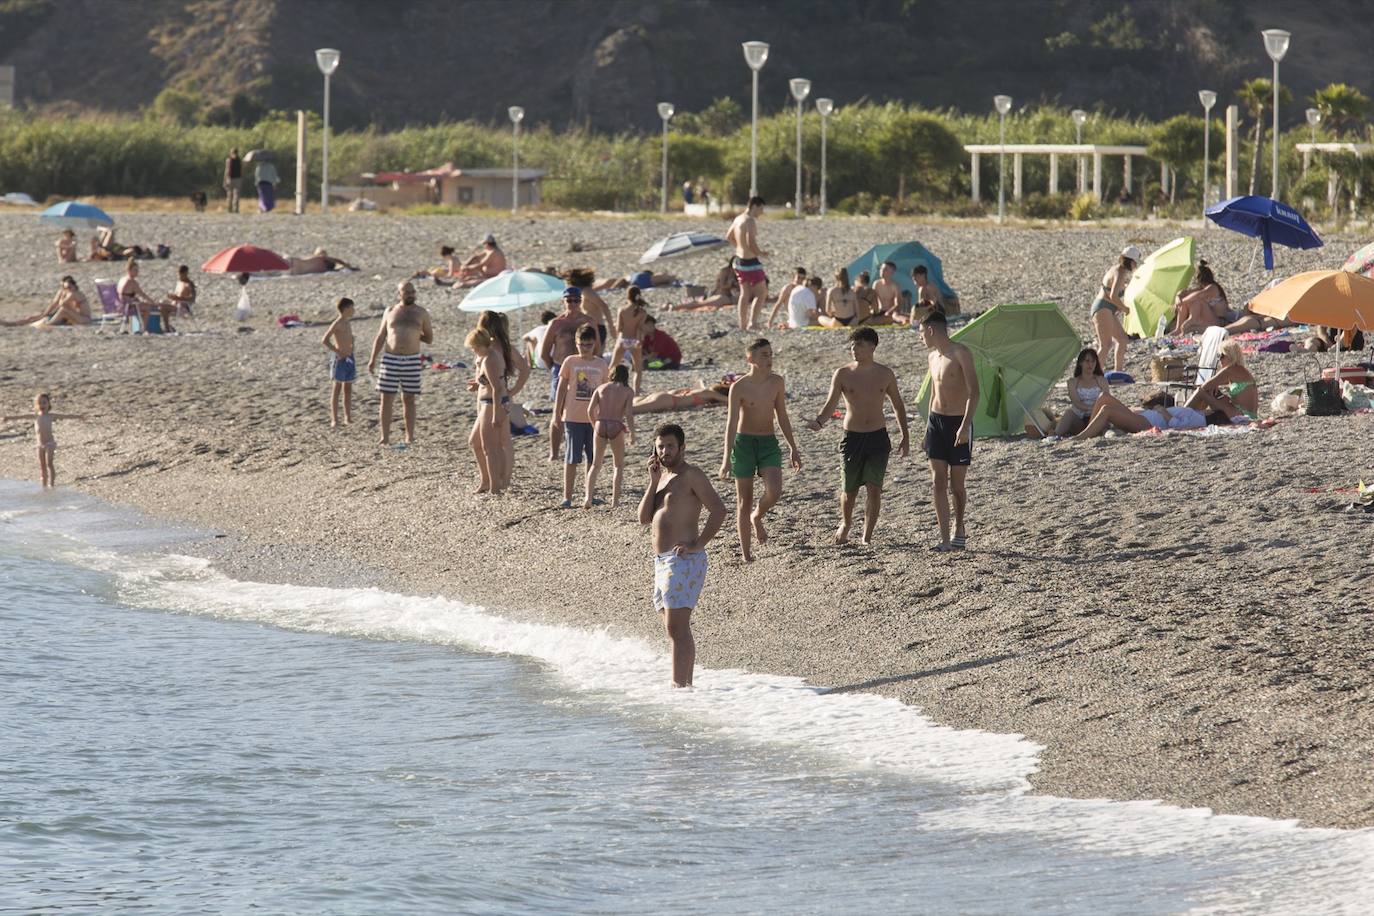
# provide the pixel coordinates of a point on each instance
(1174, 618)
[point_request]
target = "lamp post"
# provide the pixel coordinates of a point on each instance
(1314, 117)
(1276, 46)
(1208, 98)
(665, 111)
(327, 59)
(517, 114)
(825, 107)
(1003, 105)
(1080, 117)
(755, 55)
(800, 90)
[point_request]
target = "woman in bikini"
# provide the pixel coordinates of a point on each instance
(1230, 396)
(515, 364)
(629, 328)
(68, 307)
(1108, 307)
(684, 398)
(1085, 387)
(1201, 306)
(841, 305)
(725, 293)
(493, 413)
(613, 415)
(66, 247)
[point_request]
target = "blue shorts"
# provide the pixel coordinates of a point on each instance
(577, 442)
(342, 368)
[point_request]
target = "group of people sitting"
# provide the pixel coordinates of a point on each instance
(483, 264)
(69, 307)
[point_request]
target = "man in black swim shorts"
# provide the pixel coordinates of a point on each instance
(949, 430)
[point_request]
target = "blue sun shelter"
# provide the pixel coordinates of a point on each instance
(905, 255)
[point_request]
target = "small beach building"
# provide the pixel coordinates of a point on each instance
(452, 186)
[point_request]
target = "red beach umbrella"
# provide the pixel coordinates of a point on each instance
(245, 259)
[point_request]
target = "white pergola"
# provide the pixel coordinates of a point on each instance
(1360, 150)
(1054, 150)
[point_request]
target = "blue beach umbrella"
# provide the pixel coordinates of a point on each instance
(71, 214)
(1270, 221)
(514, 289)
(681, 244)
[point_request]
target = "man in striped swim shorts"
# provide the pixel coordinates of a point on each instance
(405, 326)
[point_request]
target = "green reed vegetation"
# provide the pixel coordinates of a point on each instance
(880, 158)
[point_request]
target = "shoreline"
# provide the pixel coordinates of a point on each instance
(1172, 618)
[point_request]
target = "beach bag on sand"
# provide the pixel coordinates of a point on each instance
(1324, 398)
(1168, 369)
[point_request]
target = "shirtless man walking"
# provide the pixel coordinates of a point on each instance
(751, 448)
(949, 431)
(753, 282)
(672, 506)
(865, 385)
(405, 326)
(560, 342)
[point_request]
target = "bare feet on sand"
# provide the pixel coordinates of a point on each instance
(842, 535)
(760, 532)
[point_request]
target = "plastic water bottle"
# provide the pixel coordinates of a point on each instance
(1160, 326)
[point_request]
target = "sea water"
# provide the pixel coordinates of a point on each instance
(175, 741)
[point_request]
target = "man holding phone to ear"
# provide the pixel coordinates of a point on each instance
(672, 506)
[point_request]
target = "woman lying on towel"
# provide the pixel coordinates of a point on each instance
(684, 398)
(1158, 412)
(724, 295)
(1230, 396)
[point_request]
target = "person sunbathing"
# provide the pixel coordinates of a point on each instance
(1203, 305)
(1246, 321)
(643, 279)
(319, 262)
(66, 247)
(488, 261)
(1230, 396)
(1157, 412)
(724, 294)
(684, 398)
(68, 307)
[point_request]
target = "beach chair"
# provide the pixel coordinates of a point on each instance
(111, 309)
(1208, 359)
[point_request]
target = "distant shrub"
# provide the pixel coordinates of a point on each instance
(1084, 207)
(1047, 206)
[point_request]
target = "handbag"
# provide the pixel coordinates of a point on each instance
(1324, 397)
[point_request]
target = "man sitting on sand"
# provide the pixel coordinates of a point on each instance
(488, 261)
(660, 350)
(672, 505)
(949, 429)
(929, 293)
(798, 280)
(865, 386)
(888, 293)
(751, 446)
(405, 326)
(1157, 412)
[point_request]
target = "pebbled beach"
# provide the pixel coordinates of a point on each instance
(1174, 617)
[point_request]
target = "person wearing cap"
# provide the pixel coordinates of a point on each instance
(1109, 306)
(560, 342)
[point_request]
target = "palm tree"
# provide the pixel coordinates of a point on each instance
(1342, 106)
(1256, 95)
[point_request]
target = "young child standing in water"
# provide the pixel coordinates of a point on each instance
(343, 369)
(42, 418)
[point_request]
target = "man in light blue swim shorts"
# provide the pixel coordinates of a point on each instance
(672, 506)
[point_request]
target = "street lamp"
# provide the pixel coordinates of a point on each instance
(1003, 105)
(755, 55)
(1314, 117)
(1208, 98)
(327, 59)
(824, 106)
(517, 114)
(1080, 117)
(665, 111)
(1276, 46)
(800, 90)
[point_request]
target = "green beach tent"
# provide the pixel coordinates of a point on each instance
(905, 255)
(1019, 352)
(1164, 274)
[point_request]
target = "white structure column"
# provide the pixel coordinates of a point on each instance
(1232, 150)
(1163, 178)
(973, 175)
(1126, 174)
(1016, 176)
(1097, 176)
(1054, 173)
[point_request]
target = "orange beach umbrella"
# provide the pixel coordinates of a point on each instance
(1331, 298)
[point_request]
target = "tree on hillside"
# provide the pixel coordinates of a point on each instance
(719, 119)
(1255, 96)
(1342, 106)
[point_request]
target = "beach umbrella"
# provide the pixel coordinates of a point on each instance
(73, 215)
(513, 289)
(905, 255)
(1330, 298)
(19, 198)
(681, 245)
(1159, 278)
(259, 155)
(1266, 219)
(248, 259)
(1019, 353)
(1361, 262)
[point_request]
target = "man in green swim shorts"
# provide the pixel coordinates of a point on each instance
(751, 447)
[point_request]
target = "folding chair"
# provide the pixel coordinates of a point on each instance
(111, 309)
(1208, 359)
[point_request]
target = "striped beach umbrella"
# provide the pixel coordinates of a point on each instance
(680, 245)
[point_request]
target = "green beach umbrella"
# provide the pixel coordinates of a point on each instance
(1164, 274)
(1019, 352)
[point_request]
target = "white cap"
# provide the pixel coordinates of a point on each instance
(1132, 252)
